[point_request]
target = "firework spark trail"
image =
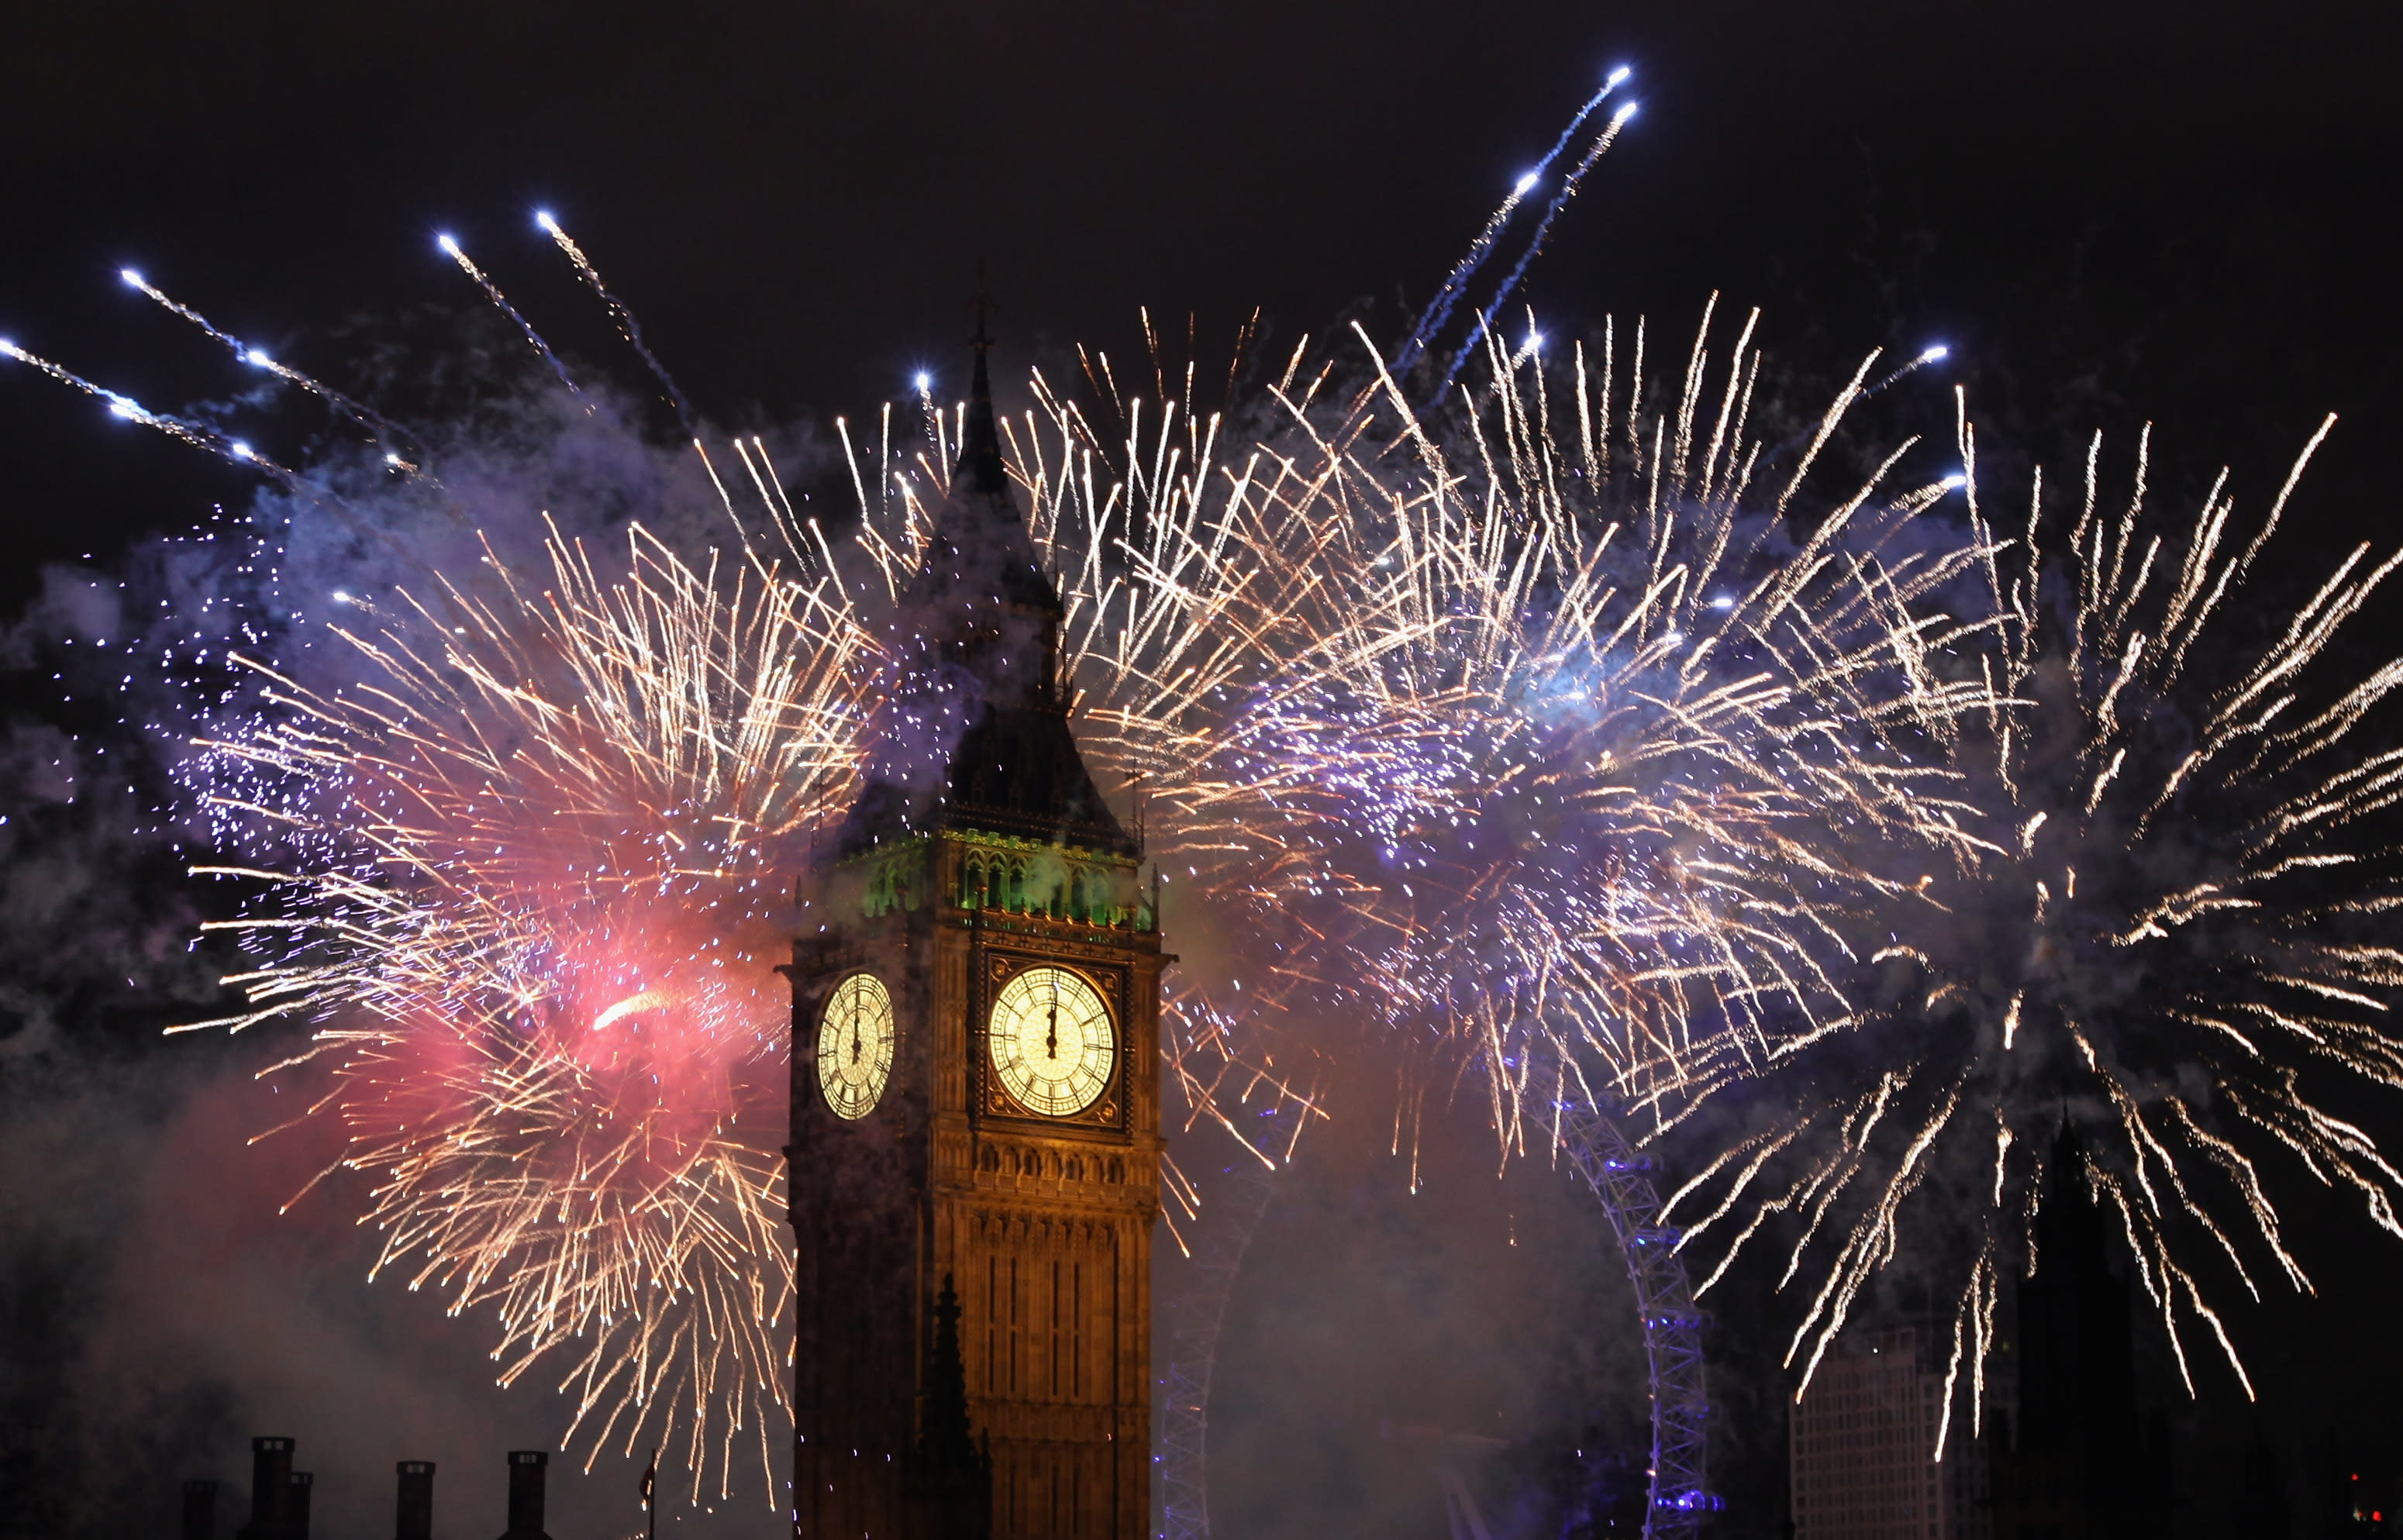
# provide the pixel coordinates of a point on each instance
(197, 434)
(2144, 937)
(1567, 190)
(377, 425)
(451, 249)
(628, 327)
(529, 881)
(1437, 313)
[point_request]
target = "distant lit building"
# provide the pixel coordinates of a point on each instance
(1862, 1454)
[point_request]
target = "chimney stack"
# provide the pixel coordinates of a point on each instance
(270, 1491)
(525, 1494)
(413, 1514)
(200, 1509)
(296, 1514)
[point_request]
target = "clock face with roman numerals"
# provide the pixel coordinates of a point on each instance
(1052, 1042)
(855, 1046)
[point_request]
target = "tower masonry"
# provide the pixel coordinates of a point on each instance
(975, 1101)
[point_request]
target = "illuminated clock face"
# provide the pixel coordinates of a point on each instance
(1052, 1045)
(855, 1046)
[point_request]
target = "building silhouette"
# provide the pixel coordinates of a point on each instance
(2080, 1461)
(279, 1497)
(2257, 1509)
(975, 1156)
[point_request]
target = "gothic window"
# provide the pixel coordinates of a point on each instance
(1055, 1336)
(971, 884)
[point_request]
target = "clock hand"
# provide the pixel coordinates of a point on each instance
(1052, 1039)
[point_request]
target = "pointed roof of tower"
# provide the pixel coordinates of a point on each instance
(946, 1442)
(948, 1477)
(979, 537)
(979, 461)
(981, 737)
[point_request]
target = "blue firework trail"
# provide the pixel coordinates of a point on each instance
(629, 326)
(1560, 201)
(1437, 313)
(451, 249)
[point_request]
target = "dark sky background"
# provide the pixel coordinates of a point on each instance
(2113, 213)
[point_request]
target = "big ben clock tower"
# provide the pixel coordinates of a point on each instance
(976, 1107)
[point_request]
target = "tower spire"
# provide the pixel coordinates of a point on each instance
(979, 735)
(980, 551)
(979, 470)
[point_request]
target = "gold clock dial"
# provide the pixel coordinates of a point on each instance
(855, 1046)
(1052, 1041)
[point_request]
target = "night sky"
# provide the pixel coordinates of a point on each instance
(2112, 213)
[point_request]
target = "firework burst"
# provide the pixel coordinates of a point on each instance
(2138, 929)
(1502, 731)
(533, 878)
